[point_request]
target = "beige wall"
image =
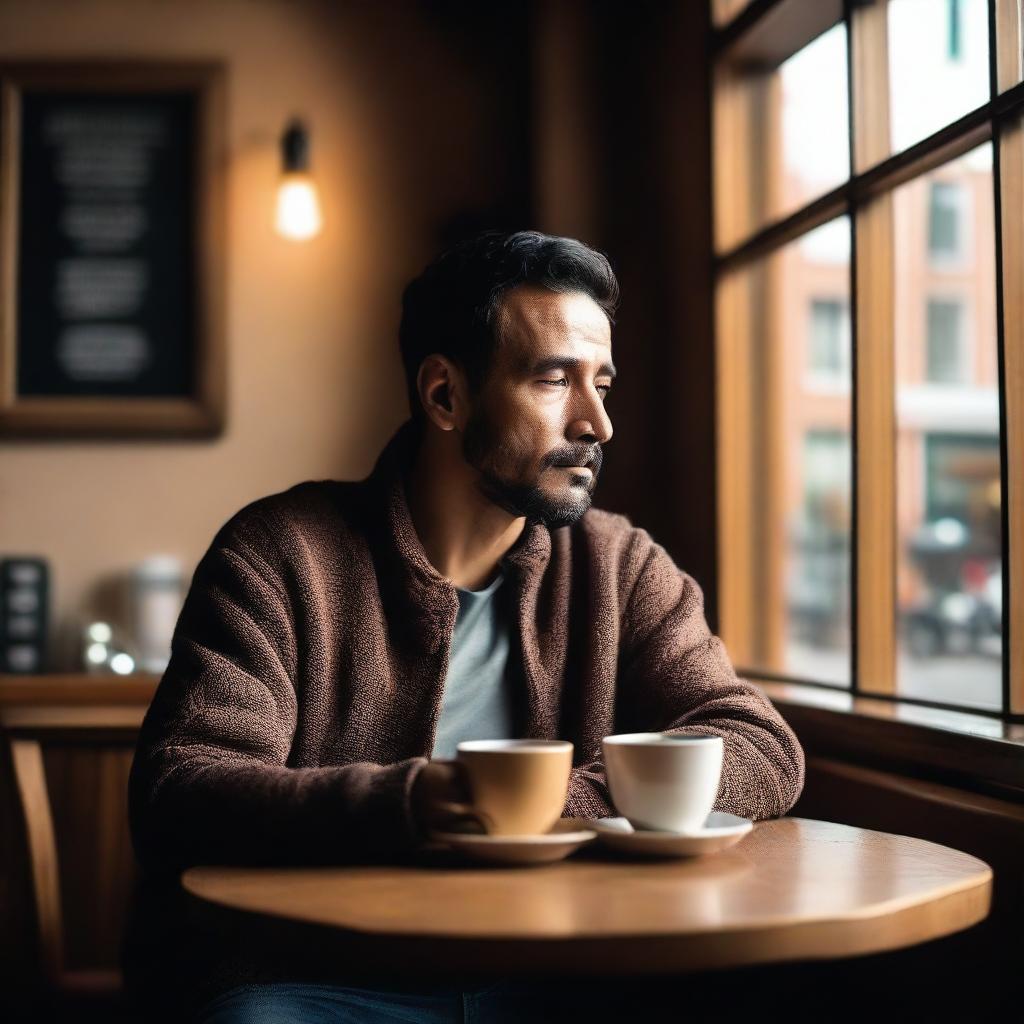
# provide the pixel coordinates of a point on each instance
(403, 136)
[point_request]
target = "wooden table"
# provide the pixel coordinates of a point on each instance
(793, 889)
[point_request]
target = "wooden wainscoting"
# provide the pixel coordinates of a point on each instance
(82, 730)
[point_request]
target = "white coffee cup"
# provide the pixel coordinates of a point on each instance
(663, 781)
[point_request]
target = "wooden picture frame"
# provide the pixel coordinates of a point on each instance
(111, 249)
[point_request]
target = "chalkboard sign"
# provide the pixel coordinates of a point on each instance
(110, 285)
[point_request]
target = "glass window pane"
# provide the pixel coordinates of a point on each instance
(949, 574)
(801, 446)
(815, 121)
(781, 136)
(938, 65)
(945, 342)
(945, 220)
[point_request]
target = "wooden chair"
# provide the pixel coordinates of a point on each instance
(27, 728)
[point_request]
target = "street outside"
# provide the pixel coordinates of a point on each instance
(971, 680)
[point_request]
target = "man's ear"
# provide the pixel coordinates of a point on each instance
(437, 379)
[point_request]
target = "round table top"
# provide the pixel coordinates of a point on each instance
(792, 889)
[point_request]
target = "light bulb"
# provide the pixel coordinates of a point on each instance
(298, 206)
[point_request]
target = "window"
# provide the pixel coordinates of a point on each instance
(944, 221)
(870, 413)
(955, 48)
(930, 85)
(829, 352)
(794, 493)
(819, 596)
(945, 342)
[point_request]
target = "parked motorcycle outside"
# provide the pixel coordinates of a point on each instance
(962, 610)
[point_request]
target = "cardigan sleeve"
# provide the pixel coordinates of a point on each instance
(675, 676)
(210, 781)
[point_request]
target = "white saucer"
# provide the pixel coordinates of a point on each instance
(719, 831)
(566, 836)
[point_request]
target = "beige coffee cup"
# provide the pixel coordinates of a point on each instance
(518, 787)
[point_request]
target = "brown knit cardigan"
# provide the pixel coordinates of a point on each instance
(309, 659)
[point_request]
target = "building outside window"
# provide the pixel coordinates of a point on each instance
(829, 350)
(945, 230)
(889, 488)
(945, 342)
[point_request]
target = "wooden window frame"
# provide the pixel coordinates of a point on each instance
(764, 34)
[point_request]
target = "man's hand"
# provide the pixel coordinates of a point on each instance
(439, 790)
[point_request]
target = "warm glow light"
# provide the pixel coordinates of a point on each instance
(298, 207)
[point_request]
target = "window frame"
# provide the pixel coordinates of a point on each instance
(765, 34)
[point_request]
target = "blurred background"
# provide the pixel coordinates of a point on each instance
(425, 120)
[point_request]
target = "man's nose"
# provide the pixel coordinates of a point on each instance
(592, 422)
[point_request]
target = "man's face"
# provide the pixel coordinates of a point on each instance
(540, 411)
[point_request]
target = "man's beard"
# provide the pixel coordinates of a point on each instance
(480, 444)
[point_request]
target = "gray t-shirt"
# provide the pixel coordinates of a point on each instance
(479, 696)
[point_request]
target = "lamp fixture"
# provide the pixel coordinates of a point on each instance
(298, 205)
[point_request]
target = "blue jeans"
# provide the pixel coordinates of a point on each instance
(302, 1003)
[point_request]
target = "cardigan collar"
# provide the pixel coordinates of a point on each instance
(388, 480)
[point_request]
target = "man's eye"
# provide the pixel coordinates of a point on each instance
(561, 380)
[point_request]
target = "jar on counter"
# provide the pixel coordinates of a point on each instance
(157, 594)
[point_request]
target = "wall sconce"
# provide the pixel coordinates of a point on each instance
(298, 206)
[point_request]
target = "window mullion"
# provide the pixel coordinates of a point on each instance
(735, 404)
(1008, 44)
(874, 366)
(1010, 180)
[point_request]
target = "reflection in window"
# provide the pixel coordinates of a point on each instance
(949, 572)
(945, 342)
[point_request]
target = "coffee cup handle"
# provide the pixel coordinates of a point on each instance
(458, 810)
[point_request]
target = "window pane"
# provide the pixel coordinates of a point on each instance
(815, 121)
(945, 342)
(802, 451)
(781, 136)
(949, 575)
(938, 65)
(945, 220)
(829, 342)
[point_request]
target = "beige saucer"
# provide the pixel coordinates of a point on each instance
(720, 830)
(566, 836)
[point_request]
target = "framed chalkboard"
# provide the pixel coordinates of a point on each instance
(111, 249)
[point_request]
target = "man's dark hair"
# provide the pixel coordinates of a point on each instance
(451, 308)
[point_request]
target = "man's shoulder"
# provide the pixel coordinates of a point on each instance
(611, 528)
(311, 507)
(613, 536)
(603, 523)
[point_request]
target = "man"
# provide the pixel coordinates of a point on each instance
(339, 635)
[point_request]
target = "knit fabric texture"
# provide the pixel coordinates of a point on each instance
(306, 679)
